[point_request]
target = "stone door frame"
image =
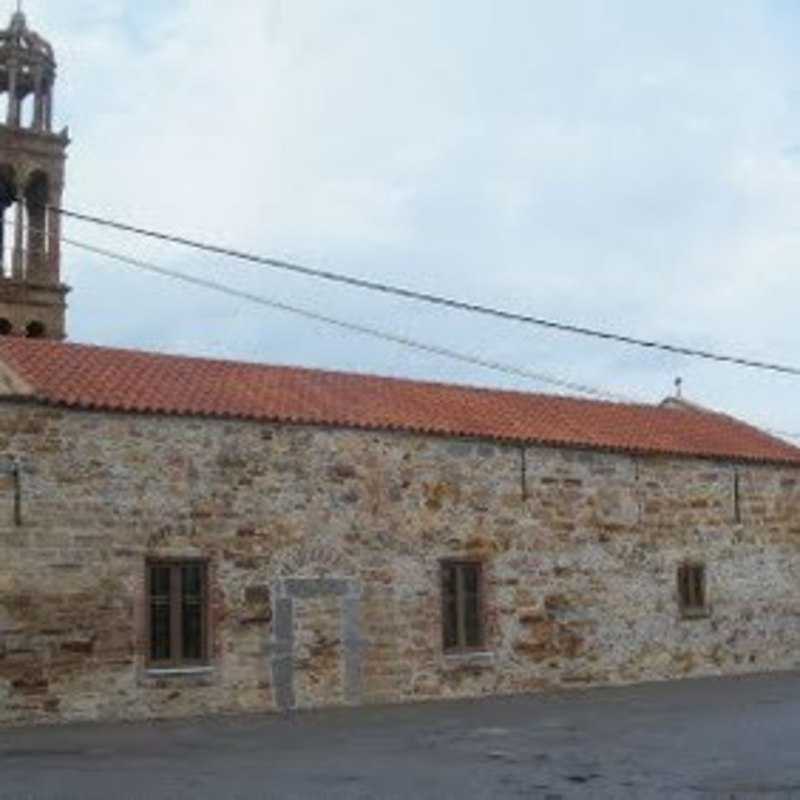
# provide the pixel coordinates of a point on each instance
(288, 590)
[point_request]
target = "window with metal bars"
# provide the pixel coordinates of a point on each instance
(177, 594)
(692, 590)
(462, 605)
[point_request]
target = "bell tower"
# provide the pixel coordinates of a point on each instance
(32, 159)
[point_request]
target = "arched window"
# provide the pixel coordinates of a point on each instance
(8, 194)
(36, 208)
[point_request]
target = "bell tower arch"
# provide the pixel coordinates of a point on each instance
(32, 161)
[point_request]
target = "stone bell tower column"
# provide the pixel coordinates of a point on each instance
(32, 160)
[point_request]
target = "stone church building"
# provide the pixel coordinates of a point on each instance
(181, 536)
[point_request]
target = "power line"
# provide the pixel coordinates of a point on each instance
(782, 434)
(438, 300)
(354, 327)
(414, 344)
(404, 341)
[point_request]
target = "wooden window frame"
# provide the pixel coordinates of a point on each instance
(692, 606)
(176, 661)
(460, 563)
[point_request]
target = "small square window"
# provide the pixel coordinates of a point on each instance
(462, 605)
(692, 590)
(177, 598)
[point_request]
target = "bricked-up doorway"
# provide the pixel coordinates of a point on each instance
(316, 652)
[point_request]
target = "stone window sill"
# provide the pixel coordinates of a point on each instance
(178, 672)
(695, 613)
(476, 660)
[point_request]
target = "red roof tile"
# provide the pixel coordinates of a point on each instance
(88, 377)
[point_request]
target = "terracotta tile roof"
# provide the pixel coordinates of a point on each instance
(87, 377)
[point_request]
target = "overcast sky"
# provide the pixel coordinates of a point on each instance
(628, 165)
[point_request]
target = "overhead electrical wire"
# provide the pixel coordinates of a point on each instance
(353, 327)
(366, 330)
(434, 299)
(782, 434)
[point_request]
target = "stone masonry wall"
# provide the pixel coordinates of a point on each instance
(324, 551)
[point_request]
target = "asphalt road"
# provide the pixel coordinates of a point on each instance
(733, 738)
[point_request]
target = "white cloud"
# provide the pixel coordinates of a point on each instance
(614, 163)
